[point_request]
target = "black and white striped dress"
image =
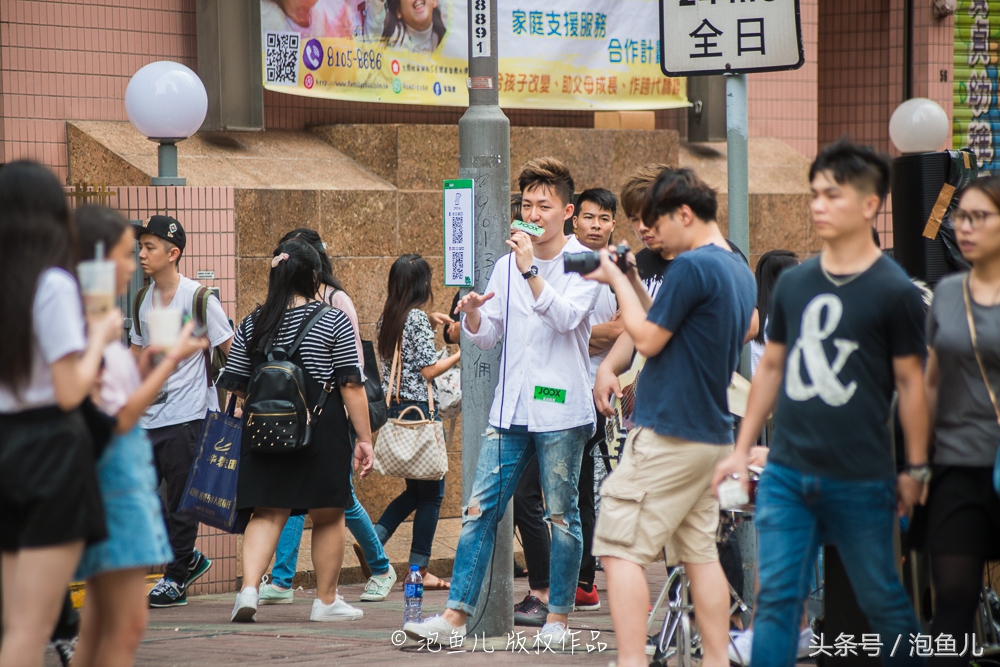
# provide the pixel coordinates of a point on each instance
(319, 476)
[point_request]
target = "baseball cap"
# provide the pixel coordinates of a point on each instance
(164, 226)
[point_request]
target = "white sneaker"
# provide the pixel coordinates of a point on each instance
(378, 586)
(245, 610)
(339, 610)
(805, 643)
(553, 636)
(434, 630)
(740, 645)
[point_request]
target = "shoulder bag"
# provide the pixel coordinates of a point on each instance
(412, 449)
(449, 387)
(377, 410)
(982, 369)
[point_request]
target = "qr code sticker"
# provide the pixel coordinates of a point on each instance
(457, 228)
(282, 58)
(457, 265)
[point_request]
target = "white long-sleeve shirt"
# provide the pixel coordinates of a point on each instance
(545, 365)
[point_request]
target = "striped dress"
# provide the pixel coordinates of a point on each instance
(318, 476)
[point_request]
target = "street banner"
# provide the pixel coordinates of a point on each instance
(556, 54)
(976, 115)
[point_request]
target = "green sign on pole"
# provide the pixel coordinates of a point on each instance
(459, 228)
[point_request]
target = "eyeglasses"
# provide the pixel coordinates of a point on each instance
(976, 219)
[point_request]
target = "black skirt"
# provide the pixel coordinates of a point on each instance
(318, 476)
(49, 494)
(962, 515)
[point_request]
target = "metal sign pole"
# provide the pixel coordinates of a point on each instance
(484, 157)
(737, 162)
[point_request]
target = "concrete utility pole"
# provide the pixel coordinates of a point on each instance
(484, 156)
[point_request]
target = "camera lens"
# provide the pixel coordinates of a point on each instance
(581, 262)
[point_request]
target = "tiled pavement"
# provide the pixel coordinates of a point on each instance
(201, 634)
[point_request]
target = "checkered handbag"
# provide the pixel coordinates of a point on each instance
(412, 449)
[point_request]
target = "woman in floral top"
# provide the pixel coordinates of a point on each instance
(404, 324)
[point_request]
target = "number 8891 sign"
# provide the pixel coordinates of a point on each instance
(482, 44)
(703, 37)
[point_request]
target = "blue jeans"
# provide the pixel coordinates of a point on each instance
(795, 514)
(560, 454)
(286, 556)
(422, 496)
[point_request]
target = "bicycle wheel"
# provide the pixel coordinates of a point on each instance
(684, 658)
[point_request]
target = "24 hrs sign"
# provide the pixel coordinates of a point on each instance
(702, 37)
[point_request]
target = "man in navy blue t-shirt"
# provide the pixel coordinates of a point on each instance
(660, 496)
(845, 329)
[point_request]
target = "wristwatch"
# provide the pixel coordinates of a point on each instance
(921, 473)
(533, 271)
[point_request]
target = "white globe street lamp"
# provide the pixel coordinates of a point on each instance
(167, 103)
(918, 125)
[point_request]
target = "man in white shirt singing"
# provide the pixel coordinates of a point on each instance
(542, 403)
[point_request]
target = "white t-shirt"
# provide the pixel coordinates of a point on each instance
(186, 396)
(604, 309)
(119, 379)
(58, 326)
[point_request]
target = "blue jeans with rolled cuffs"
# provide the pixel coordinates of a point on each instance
(796, 513)
(560, 454)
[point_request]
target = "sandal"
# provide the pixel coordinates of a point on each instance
(434, 583)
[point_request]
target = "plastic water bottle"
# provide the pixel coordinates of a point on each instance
(413, 592)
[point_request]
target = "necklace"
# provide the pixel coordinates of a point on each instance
(838, 282)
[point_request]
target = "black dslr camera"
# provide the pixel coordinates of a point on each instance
(585, 262)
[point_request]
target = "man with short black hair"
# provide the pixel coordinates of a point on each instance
(541, 404)
(174, 421)
(844, 330)
(660, 496)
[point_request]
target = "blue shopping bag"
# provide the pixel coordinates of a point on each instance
(210, 493)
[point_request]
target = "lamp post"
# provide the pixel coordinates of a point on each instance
(923, 183)
(918, 125)
(167, 103)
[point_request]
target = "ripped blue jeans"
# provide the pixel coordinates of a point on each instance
(503, 457)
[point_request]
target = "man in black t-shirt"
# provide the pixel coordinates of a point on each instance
(845, 329)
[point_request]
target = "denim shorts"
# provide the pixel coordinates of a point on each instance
(137, 536)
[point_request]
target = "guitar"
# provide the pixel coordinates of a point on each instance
(617, 426)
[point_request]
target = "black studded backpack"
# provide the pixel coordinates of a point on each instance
(277, 418)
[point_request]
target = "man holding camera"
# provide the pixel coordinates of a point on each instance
(541, 406)
(661, 495)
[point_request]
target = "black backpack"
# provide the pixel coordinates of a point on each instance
(276, 415)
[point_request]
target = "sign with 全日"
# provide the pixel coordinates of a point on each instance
(976, 113)
(703, 37)
(553, 54)
(459, 230)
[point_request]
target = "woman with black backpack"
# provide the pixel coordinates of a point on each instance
(367, 546)
(294, 360)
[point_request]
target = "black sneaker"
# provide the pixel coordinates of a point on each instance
(531, 612)
(166, 593)
(199, 566)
